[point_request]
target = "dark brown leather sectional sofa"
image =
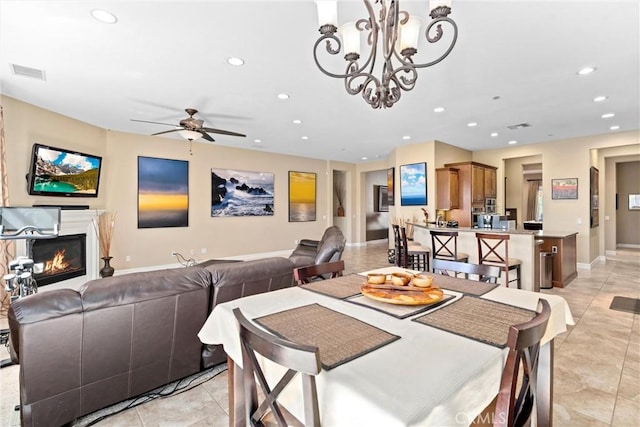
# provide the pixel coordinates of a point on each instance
(118, 337)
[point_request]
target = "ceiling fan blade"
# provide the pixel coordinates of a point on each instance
(223, 132)
(206, 135)
(167, 131)
(147, 121)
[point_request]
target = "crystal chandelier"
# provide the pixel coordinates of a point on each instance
(398, 33)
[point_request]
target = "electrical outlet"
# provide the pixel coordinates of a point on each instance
(127, 258)
(554, 249)
(192, 251)
(296, 241)
(203, 250)
(579, 221)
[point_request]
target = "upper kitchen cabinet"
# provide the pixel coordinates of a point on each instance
(448, 189)
(477, 184)
(490, 183)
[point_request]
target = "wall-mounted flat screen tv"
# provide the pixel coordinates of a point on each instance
(60, 172)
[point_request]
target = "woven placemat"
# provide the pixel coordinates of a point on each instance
(468, 287)
(339, 338)
(339, 287)
(479, 319)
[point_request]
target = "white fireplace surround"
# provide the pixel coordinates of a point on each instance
(75, 222)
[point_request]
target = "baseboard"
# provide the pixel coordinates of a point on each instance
(628, 245)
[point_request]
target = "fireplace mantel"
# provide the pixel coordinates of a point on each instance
(75, 222)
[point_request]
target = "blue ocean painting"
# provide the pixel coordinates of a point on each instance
(413, 184)
(241, 193)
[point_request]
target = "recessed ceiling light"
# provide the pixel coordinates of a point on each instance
(283, 96)
(607, 115)
(406, 137)
(365, 158)
(513, 142)
(305, 137)
(614, 127)
(472, 124)
(599, 98)
(494, 134)
(438, 109)
(235, 61)
(104, 16)
(586, 70)
(297, 122)
(257, 140)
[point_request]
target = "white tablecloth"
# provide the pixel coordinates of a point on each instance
(429, 377)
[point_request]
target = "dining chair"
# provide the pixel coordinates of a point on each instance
(444, 245)
(516, 402)
(415, 255)
(493, 249)
(296, 358)
(325, 270)
(484, 272)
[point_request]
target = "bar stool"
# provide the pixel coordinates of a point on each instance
(493, 249)
(444, 245)
(400, 261)
(416, 255)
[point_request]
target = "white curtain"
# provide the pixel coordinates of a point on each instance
(7, 250)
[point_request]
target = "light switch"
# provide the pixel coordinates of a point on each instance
(606, 217)
(579, 221)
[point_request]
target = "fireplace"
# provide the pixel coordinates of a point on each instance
(63, 258)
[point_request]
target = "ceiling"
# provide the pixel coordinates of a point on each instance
(514, 62)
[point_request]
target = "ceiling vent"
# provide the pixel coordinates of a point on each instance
(21, 70)
(519, 126)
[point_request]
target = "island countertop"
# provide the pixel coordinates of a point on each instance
(535, 233)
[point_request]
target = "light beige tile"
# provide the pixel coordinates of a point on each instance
(128, 418)
(589, 402)
(627, 413)
(629, 387)
(564, 417)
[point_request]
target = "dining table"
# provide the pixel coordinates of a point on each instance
(388, 364)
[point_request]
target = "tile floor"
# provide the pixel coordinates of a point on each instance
(597, 362)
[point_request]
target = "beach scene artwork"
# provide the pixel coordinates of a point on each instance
(163, 193)
(413, 184)
(302, 196)
(241, 193)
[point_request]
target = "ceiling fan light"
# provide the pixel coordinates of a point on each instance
(190, 135)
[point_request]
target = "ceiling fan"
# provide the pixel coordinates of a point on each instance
(188, 126)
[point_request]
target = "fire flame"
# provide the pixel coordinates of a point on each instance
(57, 263)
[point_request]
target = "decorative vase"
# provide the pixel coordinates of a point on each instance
(340, 211)
(107, 270)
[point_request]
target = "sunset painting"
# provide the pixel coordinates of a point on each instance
(163, 193)
(302, 196)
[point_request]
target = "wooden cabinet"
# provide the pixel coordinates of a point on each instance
(477, 185)
(448, 188)
(476, 182)
(564, 250)
(490, 184)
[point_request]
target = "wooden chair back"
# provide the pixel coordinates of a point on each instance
(444, 244)
(306, 274)
(402, 258)
(493, 248)
(485, 273)
(297, 358)
(516, 401)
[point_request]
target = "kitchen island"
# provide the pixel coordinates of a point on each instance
(522, 246)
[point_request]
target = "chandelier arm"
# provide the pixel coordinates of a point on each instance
(437, 38)
(372, 39)
(403, 82)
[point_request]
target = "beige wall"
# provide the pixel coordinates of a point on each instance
(628, 221)
(221, 237)
(572, 158)
(228, 237)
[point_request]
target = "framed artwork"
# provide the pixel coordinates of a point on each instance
(634, 202)
(413, 184)
(302, 196)
(390, 185)
(241, 193)
(594, 197)
(163, 193)
(564, 188)
(382, 200)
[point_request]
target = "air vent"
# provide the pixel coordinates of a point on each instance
(21, 70)
(519, 126)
